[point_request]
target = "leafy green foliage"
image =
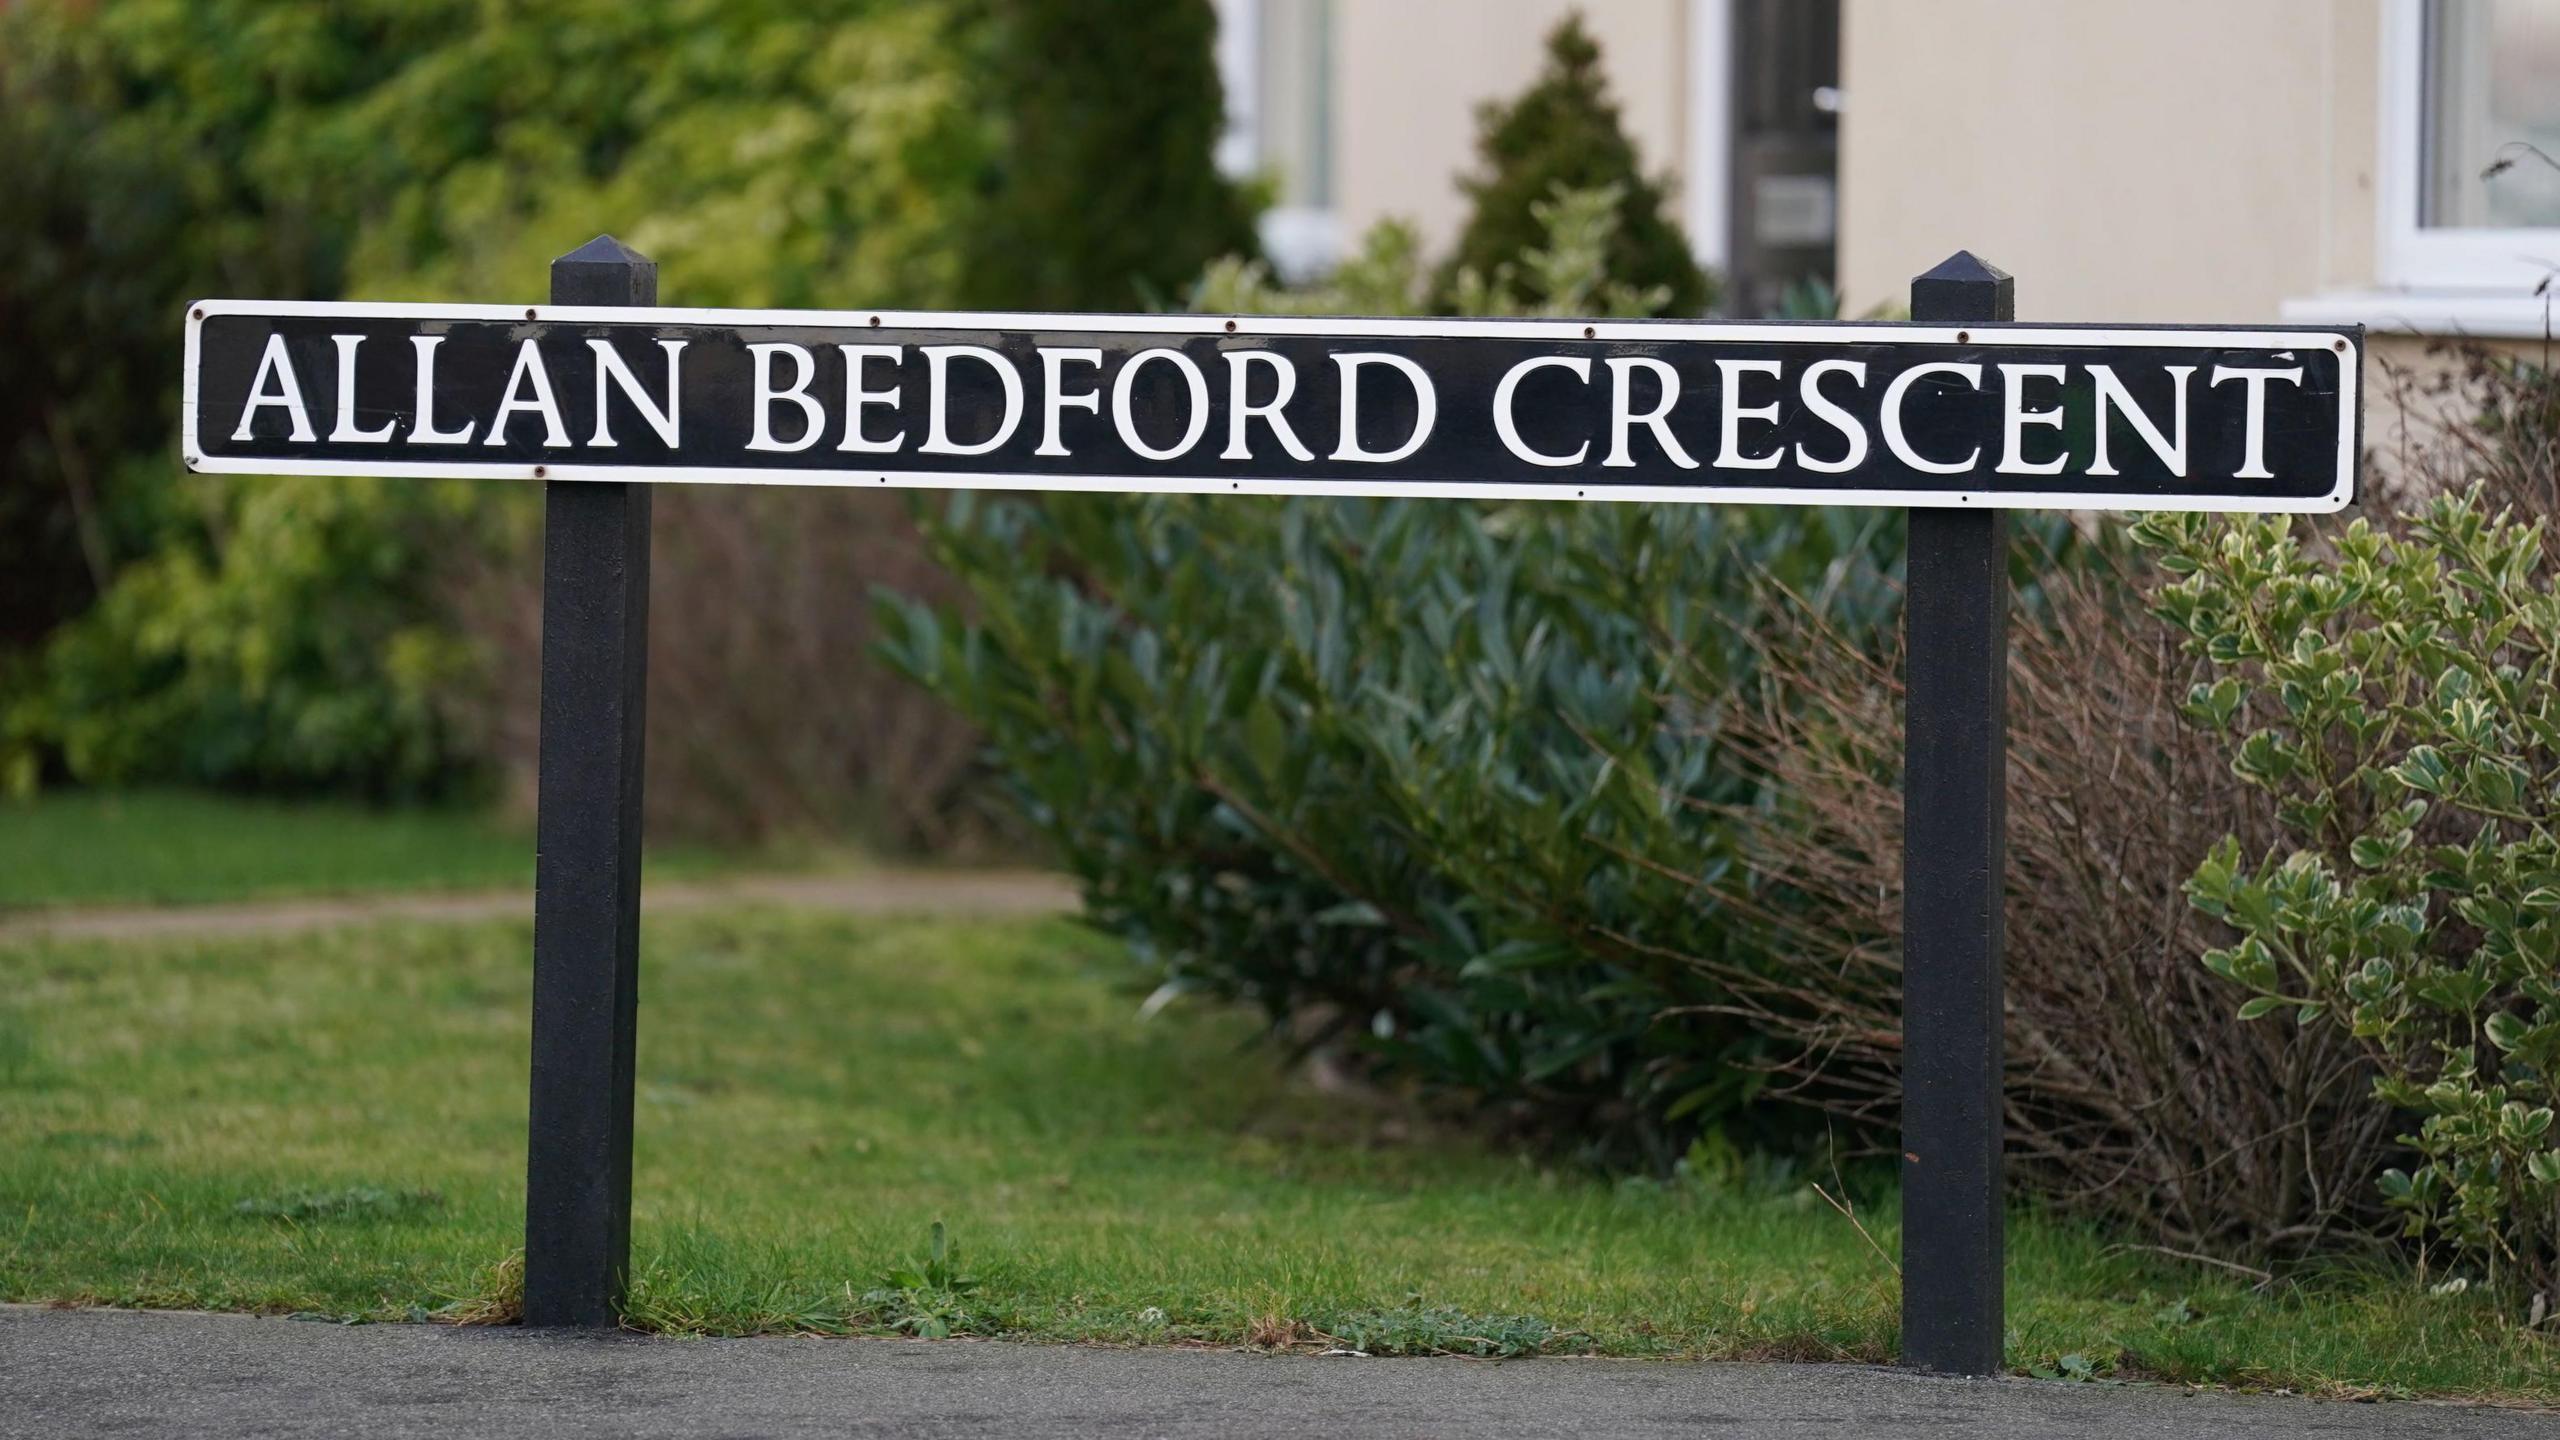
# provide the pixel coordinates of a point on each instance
(155, 626)
(1105, 196)
(305, 650)
(292, 634)
(764, 153)
(158, 150)
(1427, 778)
(1562, 134)
(2393, 689)
(928, 1298)
(1566, 273)
(2074, 1366)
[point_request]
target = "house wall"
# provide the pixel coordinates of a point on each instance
(1409, 74)
(2127, 160)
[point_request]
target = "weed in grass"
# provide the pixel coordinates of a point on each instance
(929, 1299)
(500, 1301)
(1276, 1332)
(354, 1202)
(2074, 1366)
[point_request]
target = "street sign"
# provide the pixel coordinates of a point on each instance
(1961, 416)
(1984, 415)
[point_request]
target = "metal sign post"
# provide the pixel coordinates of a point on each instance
(1960, 415)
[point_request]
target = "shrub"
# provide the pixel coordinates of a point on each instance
(770, 718)
(877, 179)
(2392, 690)
(158, 149)
(1410, 775)
(2136, 1087)
(2132, 1088)
(304, 650)
(295, 633)
(1561, 134)
(1397, 772)
(765, 152)
(1105, 193)
(1566, 270)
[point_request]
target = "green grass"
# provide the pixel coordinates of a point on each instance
(335, 1124)
(149, 847)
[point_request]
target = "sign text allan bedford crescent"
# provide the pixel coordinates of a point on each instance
(1854, 413)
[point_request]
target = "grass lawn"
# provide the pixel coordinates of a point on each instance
(82, 847)
(335, 1124)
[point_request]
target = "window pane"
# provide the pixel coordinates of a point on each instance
(1297, 100)
(2493, 81)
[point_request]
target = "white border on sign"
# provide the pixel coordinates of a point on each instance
(2000, 335)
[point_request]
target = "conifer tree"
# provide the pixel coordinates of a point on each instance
(1563, 133)
(1107, 194)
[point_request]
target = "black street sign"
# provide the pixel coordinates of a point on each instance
(1962, 416)
(1983, 415)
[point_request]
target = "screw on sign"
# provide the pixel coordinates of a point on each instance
(1960, 415)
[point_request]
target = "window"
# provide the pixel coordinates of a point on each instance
(1783, 100)
(1275, 59)
(2470, 111)
(1761, 194)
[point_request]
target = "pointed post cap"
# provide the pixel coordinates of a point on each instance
(1964, 287)
(604, 271)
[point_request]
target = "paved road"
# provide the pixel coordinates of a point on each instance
(956, 893)
(103, 1372)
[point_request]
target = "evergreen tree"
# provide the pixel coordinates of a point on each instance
(1563, 134)
(1106, 194)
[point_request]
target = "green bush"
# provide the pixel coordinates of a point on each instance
(1105, 193)
(763, 152)
(1563, 134)
(2133, 1092)
(157, 150)
(155, 626)
(1406, 773)
(306, 650)
(1419, 776)
(1566, 268)
(2394, 690)
(292, 633)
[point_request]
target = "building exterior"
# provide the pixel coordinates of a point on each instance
(2129, 160)
(1363, 109)
(2227, 160)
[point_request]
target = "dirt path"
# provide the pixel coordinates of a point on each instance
(958, 893)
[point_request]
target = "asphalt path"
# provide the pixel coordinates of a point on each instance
(77, 1373)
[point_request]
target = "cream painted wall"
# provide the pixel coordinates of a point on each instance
(1408, 75)
(2128, 160)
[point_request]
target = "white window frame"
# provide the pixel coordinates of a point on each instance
(1239, 52)
(1302, 241)
(2436, 259)
(1708, 186)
